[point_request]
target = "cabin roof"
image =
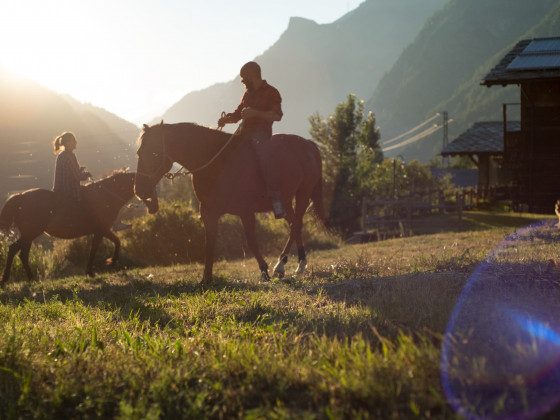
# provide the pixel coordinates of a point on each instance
(529, 60)
(485, 137)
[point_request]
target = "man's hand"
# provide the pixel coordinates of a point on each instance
(249, 112)
(224, 119)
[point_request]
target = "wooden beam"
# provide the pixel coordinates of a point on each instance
(474, 160)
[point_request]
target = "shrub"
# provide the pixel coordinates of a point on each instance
(172, 235)
(175, 234)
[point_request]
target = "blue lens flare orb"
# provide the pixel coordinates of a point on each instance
(500, 357)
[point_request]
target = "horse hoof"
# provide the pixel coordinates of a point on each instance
(279, 268)
(264, 276)
(301, 267)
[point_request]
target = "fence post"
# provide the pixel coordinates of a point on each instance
(409, 214)
(364, 214)
(459, 199)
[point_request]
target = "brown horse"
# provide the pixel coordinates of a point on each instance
(38, 210)
(227, 179)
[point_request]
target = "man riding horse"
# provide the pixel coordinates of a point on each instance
(260, 106)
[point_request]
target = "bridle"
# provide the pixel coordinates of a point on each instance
(164, 161)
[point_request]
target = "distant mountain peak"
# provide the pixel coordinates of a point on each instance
(297, 23)
(315, 66)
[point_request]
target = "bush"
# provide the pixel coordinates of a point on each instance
(175, 234)
(172, 235)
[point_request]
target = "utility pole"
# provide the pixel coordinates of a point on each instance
(445, 160)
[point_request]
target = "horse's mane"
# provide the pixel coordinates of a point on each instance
(113, 173)
(208, 132)
(211, 133)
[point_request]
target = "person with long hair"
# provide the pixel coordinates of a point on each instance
(68, 173)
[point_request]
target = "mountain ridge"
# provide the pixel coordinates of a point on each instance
(443, 67)
(315, 66)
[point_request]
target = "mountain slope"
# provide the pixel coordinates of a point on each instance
(31, 116)
(316, 66)
(442, 69)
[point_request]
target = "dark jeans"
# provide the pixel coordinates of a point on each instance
(261, 143)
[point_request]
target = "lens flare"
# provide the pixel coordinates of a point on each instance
(501, 351)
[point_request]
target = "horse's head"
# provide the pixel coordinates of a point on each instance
(153, 163)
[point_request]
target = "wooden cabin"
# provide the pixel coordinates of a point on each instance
(532, 152)
(483, 143)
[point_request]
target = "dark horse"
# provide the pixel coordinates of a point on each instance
(229, 181)
(38, 210)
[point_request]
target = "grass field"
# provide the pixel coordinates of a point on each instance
(360, 335)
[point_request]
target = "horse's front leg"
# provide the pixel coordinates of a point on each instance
(117, 242)
(211, 231)
(94, 246)
(248, 221)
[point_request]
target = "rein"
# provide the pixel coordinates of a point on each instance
(118, 197)
(172, 175)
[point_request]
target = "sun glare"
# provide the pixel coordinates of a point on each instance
(133, 56)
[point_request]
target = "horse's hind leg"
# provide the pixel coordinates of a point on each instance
(115, 239)
(94, 245)
(24, 257)
(296, 226)
(302, 259)
(279, 268)
(12, 251)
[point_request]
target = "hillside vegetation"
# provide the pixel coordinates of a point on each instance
(359, 336)
(444, 66)
(31, 116)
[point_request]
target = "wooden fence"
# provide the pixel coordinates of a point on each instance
(395, 217)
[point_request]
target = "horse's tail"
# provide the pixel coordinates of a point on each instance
(318, 204)
(9, 212)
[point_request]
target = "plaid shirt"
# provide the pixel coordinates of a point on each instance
(265, 98)
(67, 175)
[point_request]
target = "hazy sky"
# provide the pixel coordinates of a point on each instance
(137, 57)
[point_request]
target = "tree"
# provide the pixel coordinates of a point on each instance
(349, 145)
(393, 178)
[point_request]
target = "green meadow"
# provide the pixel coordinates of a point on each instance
(358, 336)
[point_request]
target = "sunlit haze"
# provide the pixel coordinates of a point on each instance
(137, 58)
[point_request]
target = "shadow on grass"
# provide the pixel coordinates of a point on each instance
(130, 294)
(473, 221)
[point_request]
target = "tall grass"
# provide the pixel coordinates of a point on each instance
(358, 336)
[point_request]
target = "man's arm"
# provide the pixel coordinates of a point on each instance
(264, 115)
